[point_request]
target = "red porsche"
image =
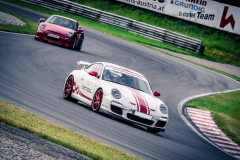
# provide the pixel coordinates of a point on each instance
(60, 30)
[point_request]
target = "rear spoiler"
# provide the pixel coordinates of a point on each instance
(84, 64)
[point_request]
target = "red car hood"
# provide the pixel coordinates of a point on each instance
(58, 29)
(144, 102)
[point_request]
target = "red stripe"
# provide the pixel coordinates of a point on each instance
(147, 104)
(135, 99)
(142, 104)
(85, 96)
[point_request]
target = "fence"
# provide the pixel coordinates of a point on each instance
(146, 30)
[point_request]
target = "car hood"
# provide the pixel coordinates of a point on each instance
(144, 102)
(58, 29)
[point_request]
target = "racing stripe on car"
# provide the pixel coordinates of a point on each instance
(141, 101)
(135, 98)
(146, 104)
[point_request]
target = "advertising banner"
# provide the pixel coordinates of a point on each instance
(205, 12)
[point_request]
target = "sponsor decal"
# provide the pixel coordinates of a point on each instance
(206, 12)
(188, 6)
(157, 5)
(126, 71)
(76, 90)
(225, 21)
(86, 89)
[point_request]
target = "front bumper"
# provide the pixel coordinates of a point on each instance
(155, 123)
(62, 40)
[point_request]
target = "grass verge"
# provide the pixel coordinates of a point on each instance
(29, 28)
(224, 110)
(26, 121)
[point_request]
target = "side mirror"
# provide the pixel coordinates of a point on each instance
(93, 73)
(41, 20)
(79, 29)
(156, 93)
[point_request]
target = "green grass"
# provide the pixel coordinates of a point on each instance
(26, 121)
(225, 110)
(29, 28)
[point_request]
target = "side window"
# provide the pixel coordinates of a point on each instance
(88, 68)
(95, 67)
(98, 68)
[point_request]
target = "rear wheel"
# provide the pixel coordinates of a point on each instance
(80, 46)
(97, 100)
(67, 91)
(74, 43)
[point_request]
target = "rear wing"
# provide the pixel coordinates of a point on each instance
(84, 64)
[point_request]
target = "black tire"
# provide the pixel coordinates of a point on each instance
(97, 100)
(74, 44)
(80, 46)
(68, 87)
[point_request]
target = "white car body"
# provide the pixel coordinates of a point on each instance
(143, 108)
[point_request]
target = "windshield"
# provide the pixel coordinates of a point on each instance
(62, 22)
(126, 78)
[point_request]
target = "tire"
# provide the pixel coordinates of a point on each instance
(151, 130)
(97, 100)
(74, 43)
(80, 46)
(68, 87)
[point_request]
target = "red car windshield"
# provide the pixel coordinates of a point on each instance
(62, 22)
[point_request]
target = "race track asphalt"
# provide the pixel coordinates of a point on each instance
(32, 75)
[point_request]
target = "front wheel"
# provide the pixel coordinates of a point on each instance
(97, 100)
(67, 91)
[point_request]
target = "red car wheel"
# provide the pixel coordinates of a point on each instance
(67, 91)
(97, 100)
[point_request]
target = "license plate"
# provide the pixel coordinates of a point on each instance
(143, 115)
(53, 35)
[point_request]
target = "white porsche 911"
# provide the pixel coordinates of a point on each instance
(117, 90)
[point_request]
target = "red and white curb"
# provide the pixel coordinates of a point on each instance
(203, 120)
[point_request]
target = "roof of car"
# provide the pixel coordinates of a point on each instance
(115, 65)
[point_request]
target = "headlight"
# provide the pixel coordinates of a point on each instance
(116, 94)
(117, 104)
(163, 109)
(70, 34)
(42, 25)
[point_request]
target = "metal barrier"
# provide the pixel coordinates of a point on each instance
(146, 30)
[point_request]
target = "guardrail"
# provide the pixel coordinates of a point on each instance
(146, 30)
